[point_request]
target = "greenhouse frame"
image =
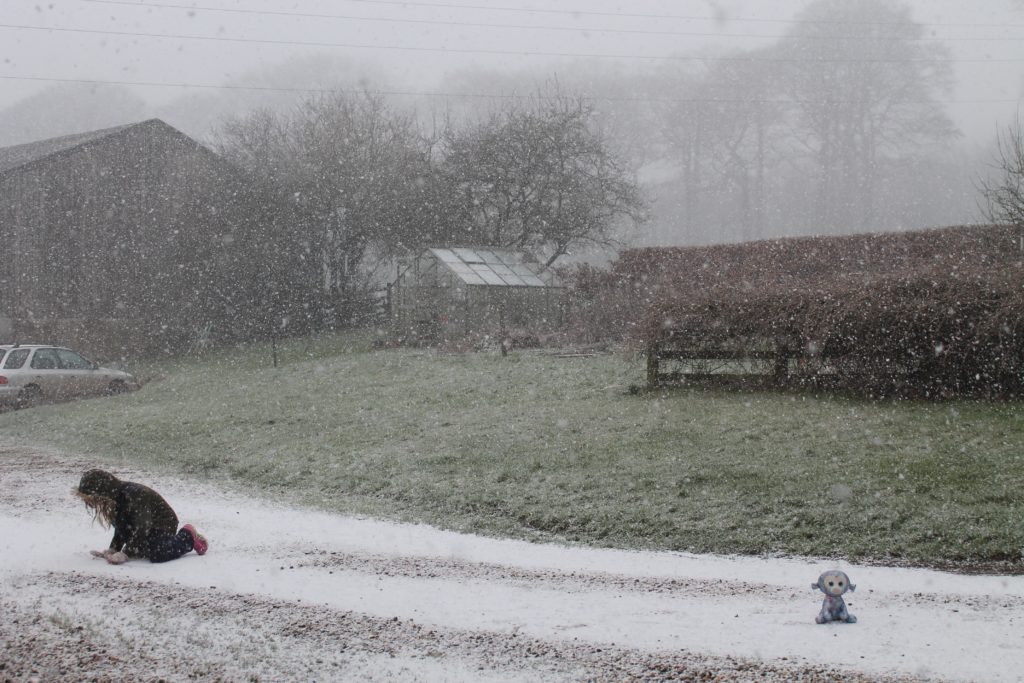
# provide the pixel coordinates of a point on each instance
(451, 292)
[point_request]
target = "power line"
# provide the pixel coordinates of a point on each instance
(405, 3)
(496, 52)
(457, 95)
(635, 15)
(530, 27)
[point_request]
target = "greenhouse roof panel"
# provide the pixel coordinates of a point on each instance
(446, 255)
(489, 276)
(515, 280)
(494, 267)
(468, 255)
(460, 268)
(471, 279)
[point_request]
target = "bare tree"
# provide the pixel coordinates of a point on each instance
(540, 176)
(358, 178)
(725, 135)
(1004, 193)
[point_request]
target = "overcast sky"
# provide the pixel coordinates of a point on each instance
(213, 42)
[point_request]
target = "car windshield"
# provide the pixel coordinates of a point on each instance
(69, 360)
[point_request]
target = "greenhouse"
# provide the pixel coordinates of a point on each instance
(445, 293)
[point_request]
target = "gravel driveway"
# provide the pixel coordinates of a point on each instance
(292, 595)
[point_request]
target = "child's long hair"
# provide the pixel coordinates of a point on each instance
(103, 509)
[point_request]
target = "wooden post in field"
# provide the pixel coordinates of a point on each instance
(652, 364)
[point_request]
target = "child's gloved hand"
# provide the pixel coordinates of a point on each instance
(116, 557)
(111, 556)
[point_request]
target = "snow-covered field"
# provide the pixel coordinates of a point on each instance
(289, 594)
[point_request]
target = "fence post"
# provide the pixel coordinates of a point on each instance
(652, 364)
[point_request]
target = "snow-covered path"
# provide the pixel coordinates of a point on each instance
(314, 596)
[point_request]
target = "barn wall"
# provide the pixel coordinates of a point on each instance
(142, 235)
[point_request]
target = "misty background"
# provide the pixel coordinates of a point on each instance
(741, 120)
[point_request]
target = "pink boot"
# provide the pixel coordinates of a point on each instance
(199, 542)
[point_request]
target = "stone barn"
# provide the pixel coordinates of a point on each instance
(455, 292)
(128, 239)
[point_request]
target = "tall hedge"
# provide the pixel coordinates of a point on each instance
(930, 313)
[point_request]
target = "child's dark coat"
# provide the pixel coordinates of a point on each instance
(140, 511)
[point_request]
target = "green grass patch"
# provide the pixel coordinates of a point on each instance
(536, 446)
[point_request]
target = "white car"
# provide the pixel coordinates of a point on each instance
(30, 373)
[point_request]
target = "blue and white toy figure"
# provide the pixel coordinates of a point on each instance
(833, 584)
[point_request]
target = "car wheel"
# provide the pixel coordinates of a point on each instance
(117, 387)
(29, 396)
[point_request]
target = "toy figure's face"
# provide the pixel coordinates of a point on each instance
(834, 583)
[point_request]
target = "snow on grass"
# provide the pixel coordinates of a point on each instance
(538, 447)
(911, 621)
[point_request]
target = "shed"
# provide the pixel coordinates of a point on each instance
(450, 292)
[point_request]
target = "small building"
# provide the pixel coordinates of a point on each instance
(454, 292)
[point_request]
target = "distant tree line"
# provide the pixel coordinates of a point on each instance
(840, 125)
(816, 134)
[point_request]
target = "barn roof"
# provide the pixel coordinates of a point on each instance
(486, 266)
(19, 155)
